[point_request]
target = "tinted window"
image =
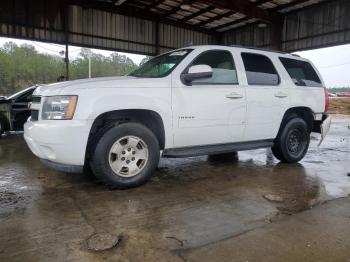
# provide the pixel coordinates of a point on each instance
(301, 72)
(259, 70)
(26, 97)
(224, 70)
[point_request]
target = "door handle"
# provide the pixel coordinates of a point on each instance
(234, 95)
(281, 95)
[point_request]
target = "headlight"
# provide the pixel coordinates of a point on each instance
(59, 107)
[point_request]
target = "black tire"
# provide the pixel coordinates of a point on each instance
(100, 163)
(292, 141)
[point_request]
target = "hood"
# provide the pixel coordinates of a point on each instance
(71, 87)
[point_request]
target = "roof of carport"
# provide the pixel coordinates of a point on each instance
(209, 16)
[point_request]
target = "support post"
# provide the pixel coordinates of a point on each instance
(89, 64)
(277, 34)
(66, 60)
(64, 16)
(157, 38)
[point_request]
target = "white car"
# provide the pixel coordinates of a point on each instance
(201, 100)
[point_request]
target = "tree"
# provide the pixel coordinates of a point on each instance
(22, 66)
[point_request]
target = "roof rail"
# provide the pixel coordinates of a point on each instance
(259, 48)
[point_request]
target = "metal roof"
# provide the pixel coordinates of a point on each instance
(152, 27)
(208, 16)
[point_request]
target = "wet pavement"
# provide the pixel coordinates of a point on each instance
(189, 205)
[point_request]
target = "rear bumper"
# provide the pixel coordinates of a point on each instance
(318, 123)
(325, 126)
(322, 126)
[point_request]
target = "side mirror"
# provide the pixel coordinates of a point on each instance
(197, 72)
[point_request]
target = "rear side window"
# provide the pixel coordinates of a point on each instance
(301, 72)
(259, 70)
(224, 70)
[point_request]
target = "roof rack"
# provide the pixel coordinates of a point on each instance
(260, 49)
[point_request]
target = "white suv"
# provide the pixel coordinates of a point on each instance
(202, 100)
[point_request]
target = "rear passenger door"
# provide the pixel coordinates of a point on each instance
(267, 96)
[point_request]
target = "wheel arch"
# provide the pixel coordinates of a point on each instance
(104, 121)
(304, 113)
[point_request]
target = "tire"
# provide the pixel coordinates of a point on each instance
(292, 141)
(125, 155)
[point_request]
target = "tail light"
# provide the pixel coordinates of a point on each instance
(326, 98)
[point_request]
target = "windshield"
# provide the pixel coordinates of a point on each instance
(18, 94)
(162, 65)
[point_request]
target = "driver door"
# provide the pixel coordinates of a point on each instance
(20, 111)
(210, 110)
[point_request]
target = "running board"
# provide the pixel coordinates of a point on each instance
(216, 149)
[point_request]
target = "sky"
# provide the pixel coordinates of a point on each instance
(332, 62)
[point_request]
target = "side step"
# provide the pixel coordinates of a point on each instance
(216, 149)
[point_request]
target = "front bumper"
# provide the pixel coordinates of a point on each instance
(62, 167)
(61, 142)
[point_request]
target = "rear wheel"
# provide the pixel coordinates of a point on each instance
(292, 141)
(125, 156)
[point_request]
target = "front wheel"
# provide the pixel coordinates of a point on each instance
(126, 155)
(292, 141)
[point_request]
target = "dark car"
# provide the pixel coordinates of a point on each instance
(14, 110)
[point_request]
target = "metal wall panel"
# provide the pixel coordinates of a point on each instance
(250, 35)
(319, 25)
(326, 24)
(37, 20)
(171, 37)
(322, 25)
(100, 29)
(49, 21)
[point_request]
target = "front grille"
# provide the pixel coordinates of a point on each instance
(36, 99)
(34, 116)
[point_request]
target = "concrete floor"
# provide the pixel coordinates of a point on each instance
(192, 209)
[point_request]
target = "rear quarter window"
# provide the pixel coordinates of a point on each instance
(301, 72)
(260, 70)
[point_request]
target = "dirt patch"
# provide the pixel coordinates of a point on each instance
(339, 105)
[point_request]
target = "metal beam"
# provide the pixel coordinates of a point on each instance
(261, 2)
(200, 12)
(175, 9)
(119, 2)
(243, 19)
(229, 13)
(215, 18)
(291, 4)
(154, 4)
(245, 7)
